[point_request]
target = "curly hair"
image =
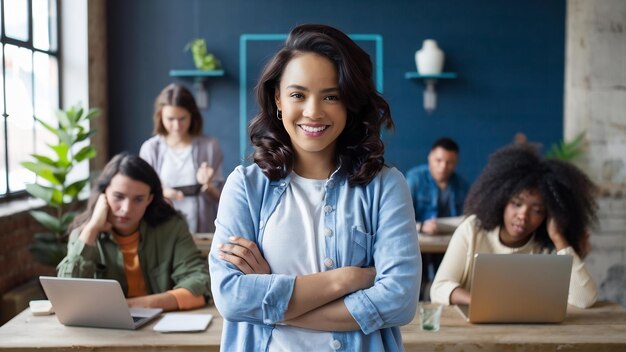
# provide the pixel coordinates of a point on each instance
(179, 96)
(568, 194)
(137, 169)
(359, 146)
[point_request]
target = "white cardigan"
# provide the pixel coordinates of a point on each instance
(469, 239)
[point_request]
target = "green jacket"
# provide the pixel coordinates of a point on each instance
(169, 259)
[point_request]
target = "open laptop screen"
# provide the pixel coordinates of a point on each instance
(519, 288)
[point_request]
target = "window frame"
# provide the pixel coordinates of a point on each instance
(9, 194)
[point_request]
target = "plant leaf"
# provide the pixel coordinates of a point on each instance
(78, 115)
(567, 151)
(67, 218)
(86, 152)
(65, 137)
(61, 150)
(48, 221)
(44, 160)
(38, 191)
(57, 198)
(82, 136)
(75, 188)
(91, 114)
(48, 253)
(50, 128)
(63, 118)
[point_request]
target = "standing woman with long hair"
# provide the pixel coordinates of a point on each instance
(183, 156)
(316, 245)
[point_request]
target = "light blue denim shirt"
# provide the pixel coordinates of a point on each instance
(371, 225)
(424, 191)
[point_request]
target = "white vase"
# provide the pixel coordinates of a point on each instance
(429, 59)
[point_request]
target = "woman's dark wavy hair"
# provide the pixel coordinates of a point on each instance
(568, 194)
(359, 147)
(157, 212)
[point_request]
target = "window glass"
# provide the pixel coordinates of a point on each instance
(1, 83)
(46, 98)
(20, 122)
(16, 19)
(29, 87)
(41, 26)
(3, 170)
(44, 24)
(46, 74)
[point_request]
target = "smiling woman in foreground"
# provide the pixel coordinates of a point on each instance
(315, 246)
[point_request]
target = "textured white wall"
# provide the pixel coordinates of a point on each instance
(595, 102)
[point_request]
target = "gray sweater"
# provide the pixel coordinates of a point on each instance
(203, 149)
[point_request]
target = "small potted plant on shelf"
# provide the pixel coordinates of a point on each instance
(203, 59)
(53, 186)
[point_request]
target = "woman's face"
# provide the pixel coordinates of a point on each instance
(176, 120)
(522, 216)
(127, 200)
(313, 113)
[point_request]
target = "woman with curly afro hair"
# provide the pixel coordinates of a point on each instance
(522, 203)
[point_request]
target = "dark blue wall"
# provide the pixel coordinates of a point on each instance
(509, 56)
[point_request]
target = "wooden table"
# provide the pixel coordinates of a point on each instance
(428, 243)
(26, 332)
(433, 243)
(203, 241)
(601, 328)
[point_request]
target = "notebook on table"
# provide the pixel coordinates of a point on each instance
(518, 288)
(93, 302)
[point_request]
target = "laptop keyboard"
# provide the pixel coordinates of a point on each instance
(136, 319)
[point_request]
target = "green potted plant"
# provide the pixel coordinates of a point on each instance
(202, 59)
(567, 151)
(53, 185)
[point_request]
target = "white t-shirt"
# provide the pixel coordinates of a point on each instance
(293, 244)
(178, 170)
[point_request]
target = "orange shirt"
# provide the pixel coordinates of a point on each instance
(132, 268)
(135, 279)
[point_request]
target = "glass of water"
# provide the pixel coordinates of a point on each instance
(430, 315)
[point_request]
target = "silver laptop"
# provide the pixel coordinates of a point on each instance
(518, 288)
(94, 303)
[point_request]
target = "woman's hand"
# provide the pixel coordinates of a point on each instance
(163, 300)
(556, 235)
(429, 227)
(204, 175)
(245, 255)
(98, 222)
(173, 194)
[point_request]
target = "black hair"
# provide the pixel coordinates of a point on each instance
(157, 212)
(447, 144)
(568, 194)
(359, 147)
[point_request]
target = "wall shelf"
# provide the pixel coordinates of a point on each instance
(443, 75)
(430, 95)
(196, 73)
(199, 77)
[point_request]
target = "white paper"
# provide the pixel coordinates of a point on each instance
(177, 322)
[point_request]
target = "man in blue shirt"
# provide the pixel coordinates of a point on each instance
(437, 191)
